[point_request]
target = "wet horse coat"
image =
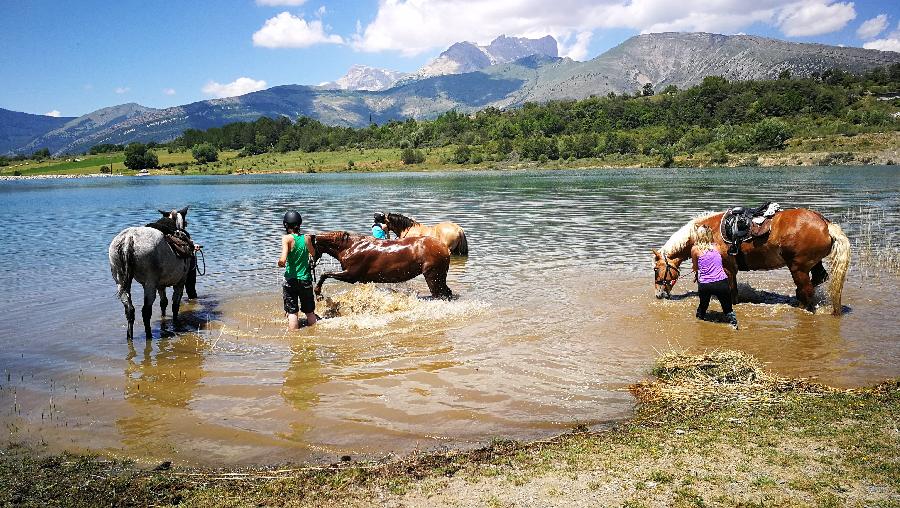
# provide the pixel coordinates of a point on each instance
(798, 239)
(366, 259)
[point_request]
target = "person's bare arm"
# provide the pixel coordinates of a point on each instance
(310, 247)
(286, 245)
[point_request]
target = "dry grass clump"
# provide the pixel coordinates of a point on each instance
(715, 378)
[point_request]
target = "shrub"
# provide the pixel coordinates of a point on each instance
(411, 156)
(105, 169)
(462, 154)
(769, 134)
(204, 153)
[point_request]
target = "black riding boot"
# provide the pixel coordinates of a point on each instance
(732, 319)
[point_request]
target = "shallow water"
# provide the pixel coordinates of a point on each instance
(555, 315)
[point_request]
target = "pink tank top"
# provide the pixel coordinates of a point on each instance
(709, 267)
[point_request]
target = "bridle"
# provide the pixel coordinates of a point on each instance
(670, 270)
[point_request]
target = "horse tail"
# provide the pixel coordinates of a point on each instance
(462, 245)
(840, 263)
(122, 262)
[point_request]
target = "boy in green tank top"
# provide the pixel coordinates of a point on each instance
(295, 252)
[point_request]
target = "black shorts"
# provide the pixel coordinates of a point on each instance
(294, 289)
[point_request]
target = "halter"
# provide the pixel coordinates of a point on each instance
(670, 269)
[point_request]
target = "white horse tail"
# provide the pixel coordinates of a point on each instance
(840, 263)
(462, 246)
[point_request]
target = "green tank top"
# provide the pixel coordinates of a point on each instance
(298, 260)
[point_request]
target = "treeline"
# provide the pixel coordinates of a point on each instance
(717, 116)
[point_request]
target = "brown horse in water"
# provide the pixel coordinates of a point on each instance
(453, 236)
(799, 239)
(366, 259)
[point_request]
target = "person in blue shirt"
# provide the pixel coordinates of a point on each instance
(379, 228)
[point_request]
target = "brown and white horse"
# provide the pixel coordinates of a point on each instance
(453, 236)
(799, 240)
(366, 259)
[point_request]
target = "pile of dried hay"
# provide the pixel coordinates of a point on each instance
(715, 378)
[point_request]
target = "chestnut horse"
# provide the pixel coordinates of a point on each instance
(453, 236)
(799, 239)
(366, 259)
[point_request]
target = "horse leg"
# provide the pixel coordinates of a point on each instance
(730, 267)
(436, 278)
(176, 303)
(147, 309)
(819, 275)
(805, 289)
(163, 301)
(125, 298)
(343, 275)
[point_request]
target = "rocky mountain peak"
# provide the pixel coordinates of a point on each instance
(468, 56)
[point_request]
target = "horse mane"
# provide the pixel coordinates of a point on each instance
(681, 238)
(402, 221)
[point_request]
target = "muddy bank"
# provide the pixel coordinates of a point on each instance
(710, 429)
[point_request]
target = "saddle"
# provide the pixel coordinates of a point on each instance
(178, 239)
(740, 224)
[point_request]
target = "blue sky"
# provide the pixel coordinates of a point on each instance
(74, 57)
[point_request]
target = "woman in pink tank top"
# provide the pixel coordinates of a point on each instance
(710, 275)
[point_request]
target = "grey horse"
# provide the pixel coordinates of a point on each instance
(142, 254)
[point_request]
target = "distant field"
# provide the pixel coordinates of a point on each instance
(90, 164)
(859, 149)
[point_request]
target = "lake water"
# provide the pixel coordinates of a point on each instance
(555, 315)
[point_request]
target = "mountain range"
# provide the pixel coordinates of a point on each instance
(466, 77)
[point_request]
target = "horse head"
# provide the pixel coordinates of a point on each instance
(665, 273)
(179, 216)
(398, 223)
(331, 243)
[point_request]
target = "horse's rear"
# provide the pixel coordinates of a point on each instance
(142, 254)
(450, 233)
(799, 240)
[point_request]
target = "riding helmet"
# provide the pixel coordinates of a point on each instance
(380, 218)
(292, 218)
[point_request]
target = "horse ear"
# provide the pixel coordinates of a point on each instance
(164, 214)
(656, 253)
(183, 211)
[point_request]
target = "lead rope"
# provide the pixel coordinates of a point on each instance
(203, 258)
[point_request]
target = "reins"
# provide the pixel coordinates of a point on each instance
(669, 269)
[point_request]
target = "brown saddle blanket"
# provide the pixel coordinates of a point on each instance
(178, 239)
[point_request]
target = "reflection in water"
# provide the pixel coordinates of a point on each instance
(555, 317)
(159, 388)
(303, 375)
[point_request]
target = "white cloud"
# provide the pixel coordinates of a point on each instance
(870, 28)
(413, 27)
(240, 86)
(892, 44)
(168, 91)
(280, 2)
(321, 11)
(55, 113)
(122, 89)
(577, 50)
(815, 18)
(288, 31)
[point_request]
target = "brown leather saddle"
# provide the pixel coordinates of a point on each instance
(178, 239)
(740, 224)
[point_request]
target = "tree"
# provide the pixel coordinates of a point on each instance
(647, 90)
(205, 152)
(43, 153)
(138, 157)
